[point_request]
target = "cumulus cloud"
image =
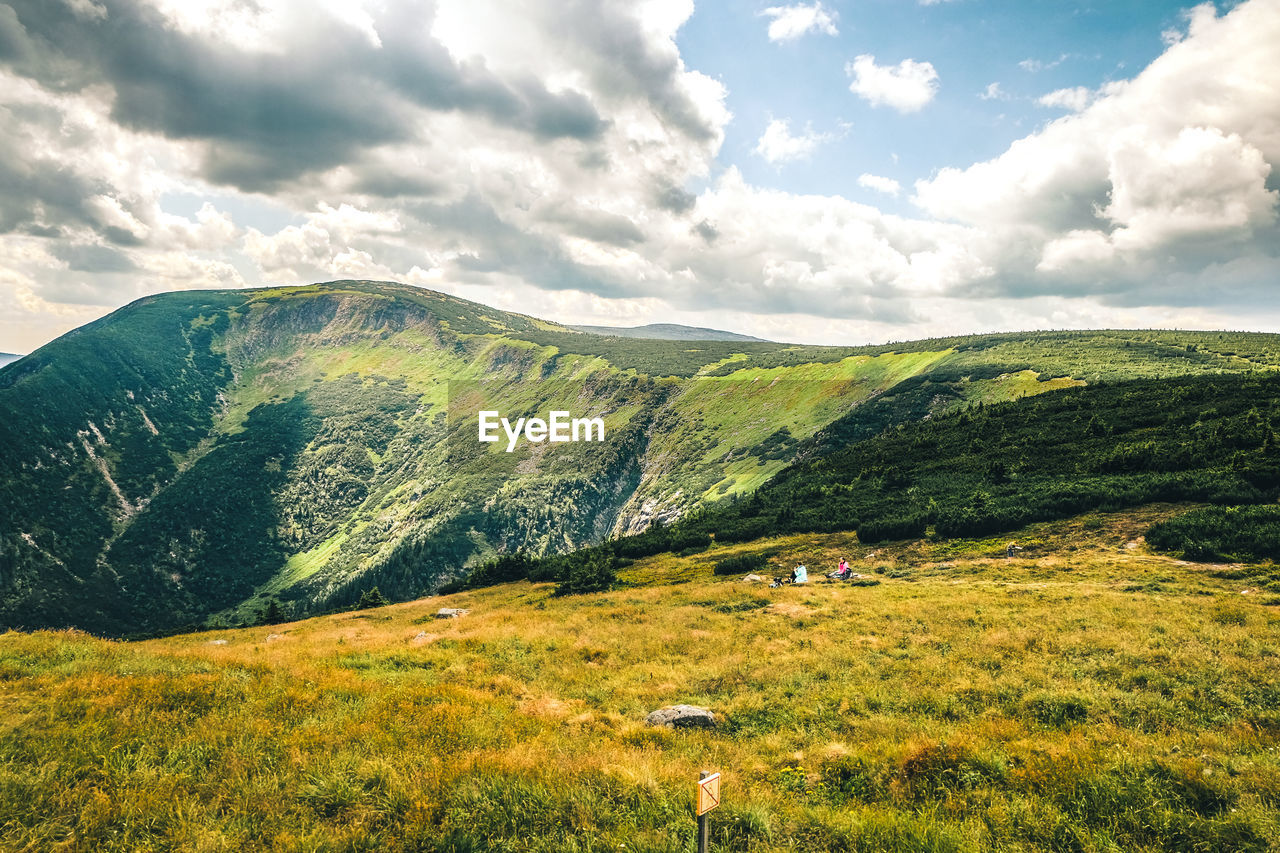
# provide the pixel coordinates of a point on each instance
(791, 22)
(407, 136)
(170, 77)
(1150, 188)
(1074, 99)
(880, 184)
(1201, 184)
(993, 92)
(778, 145)
(568, 163)
(907, 86)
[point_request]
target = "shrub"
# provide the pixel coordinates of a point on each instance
(1221, 533)
(504, 569)
(740, 564)
(689, 540)
(885, 528)
(371, 598)
(593, 571)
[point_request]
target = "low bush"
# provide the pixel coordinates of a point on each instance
(740, 564)
(1232, 533)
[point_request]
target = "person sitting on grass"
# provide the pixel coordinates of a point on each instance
(799, 574)
(842, 572)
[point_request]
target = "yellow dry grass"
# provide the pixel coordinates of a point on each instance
(1084, 695)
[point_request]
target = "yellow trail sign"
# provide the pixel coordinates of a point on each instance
(708, 793)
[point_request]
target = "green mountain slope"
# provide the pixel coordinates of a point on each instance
(202, 454)
(989, 469)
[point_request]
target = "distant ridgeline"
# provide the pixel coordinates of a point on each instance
(212, 456)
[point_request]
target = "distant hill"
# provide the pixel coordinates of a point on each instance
(7, 357)
(213, 454)
(666, 332)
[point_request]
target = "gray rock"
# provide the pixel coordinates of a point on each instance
(451, 613)
(682, 717)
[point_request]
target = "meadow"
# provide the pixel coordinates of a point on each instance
(1085, 695)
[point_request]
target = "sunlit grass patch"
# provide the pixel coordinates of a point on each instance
(972, 702)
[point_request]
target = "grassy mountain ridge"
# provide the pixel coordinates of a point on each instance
(207, 452)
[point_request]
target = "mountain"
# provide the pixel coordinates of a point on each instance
(208, 455)
(666, 332)
(7, 357)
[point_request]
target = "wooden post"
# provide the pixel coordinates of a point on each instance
(702, 822)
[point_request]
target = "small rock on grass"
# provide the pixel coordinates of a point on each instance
(682, 717)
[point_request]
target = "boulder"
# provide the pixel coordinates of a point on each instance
(451, 613)
(682, 717)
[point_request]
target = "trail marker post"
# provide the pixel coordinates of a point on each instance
(708, 799)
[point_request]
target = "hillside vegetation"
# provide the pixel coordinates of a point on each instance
(994, 468)
(217, 456)
(1086, 695)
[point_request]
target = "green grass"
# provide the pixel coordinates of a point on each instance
(1085, 695)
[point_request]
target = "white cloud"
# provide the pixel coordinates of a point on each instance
(1149, 190)
(1037, 65)
(880, 184)
(591, 185)
(906, 87)
(993, 92)
(1200, 185)
(791, 22)
(1074, 99)
(212, 230)
(777, 144)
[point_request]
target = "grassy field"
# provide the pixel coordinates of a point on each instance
(1085, 695)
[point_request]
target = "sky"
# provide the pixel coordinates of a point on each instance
(826, 172)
